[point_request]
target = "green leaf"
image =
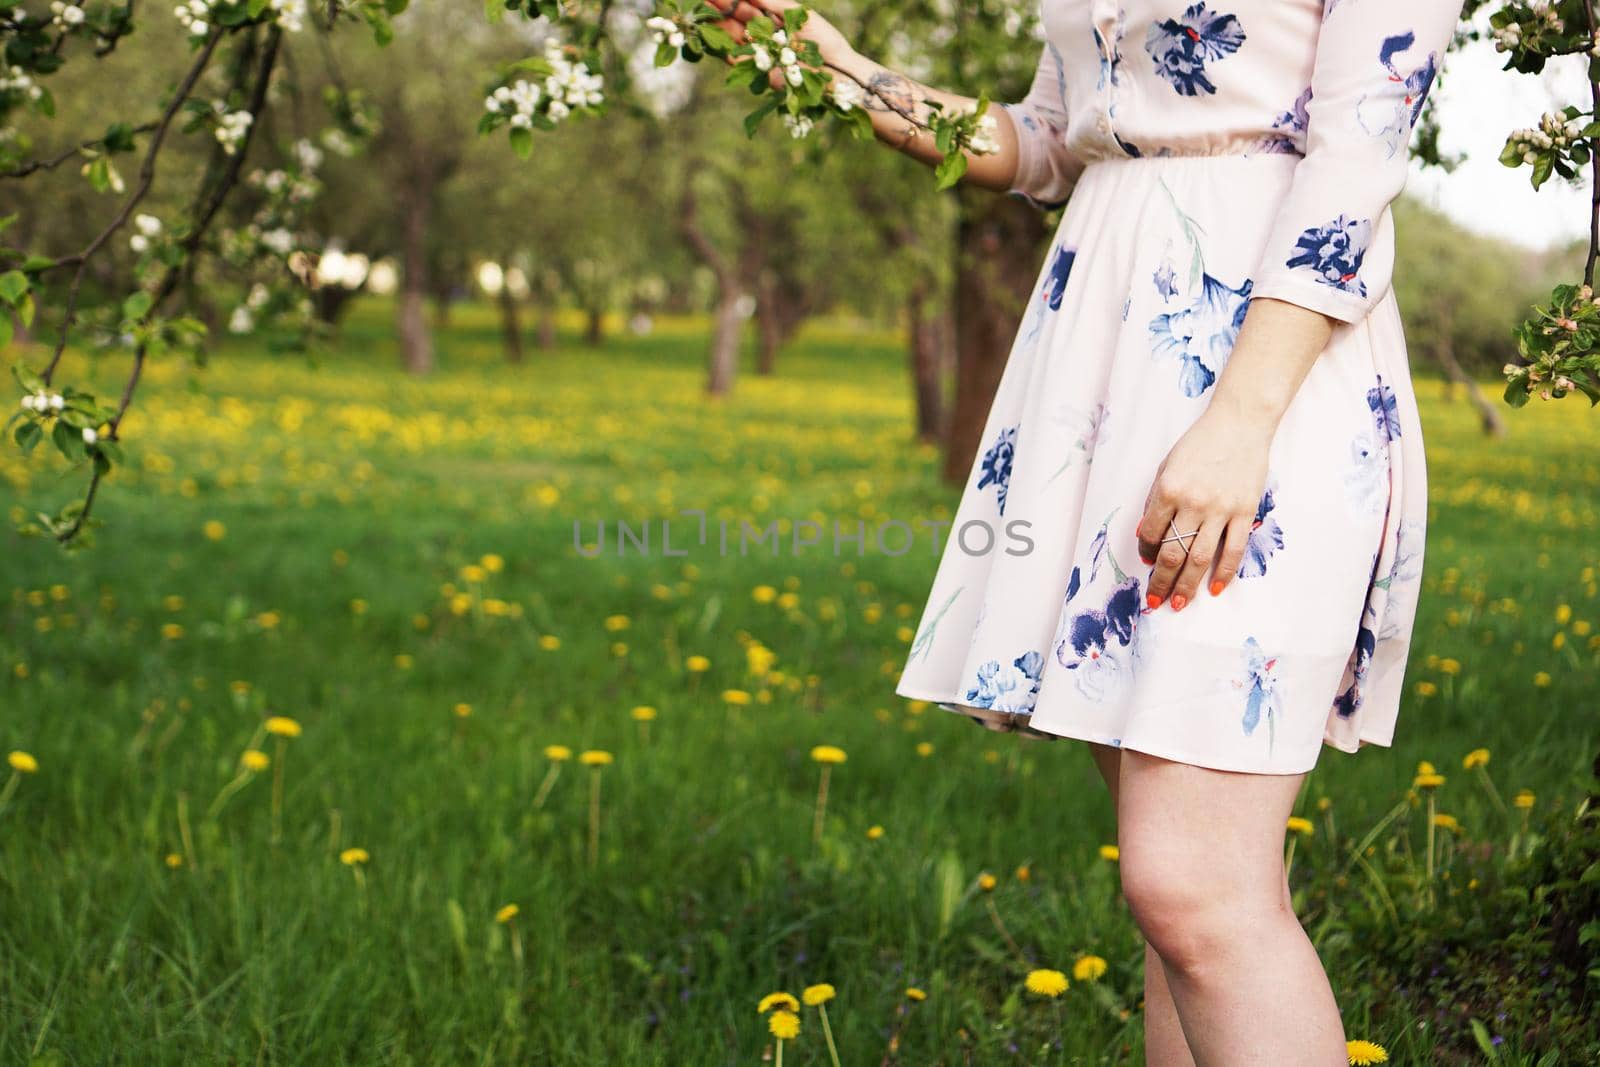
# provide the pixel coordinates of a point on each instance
(950, 170)
(28, 435)
(137, 305)
(522, 142)
(13, 284)
(1480, 1034)
(716, 38)
(752, 121)
(27, 378)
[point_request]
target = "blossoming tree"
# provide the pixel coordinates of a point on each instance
(127, 288)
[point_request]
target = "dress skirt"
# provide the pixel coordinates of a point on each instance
(1037, 622)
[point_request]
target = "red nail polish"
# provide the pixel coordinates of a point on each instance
(1216, 586)
(1152, 600)
(1178, 601)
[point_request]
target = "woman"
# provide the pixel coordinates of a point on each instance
(1211, 375)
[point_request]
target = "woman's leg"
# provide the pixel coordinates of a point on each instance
(1202, 870)
(1164, 1043)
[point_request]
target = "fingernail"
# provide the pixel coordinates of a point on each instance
(1152, 600)
(1216, 586)
(1178, 601)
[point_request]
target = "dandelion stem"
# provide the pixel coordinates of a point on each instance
(361, 886)
(822, 805)
(10, 790)
(1494, 794)
(594, 817)
(277, 791)
(827, 1032)
(239, 781)
(545, 786)
(999, 924)
(1431, 805)
(1288, 858)
(780, 1052)
(184, 833)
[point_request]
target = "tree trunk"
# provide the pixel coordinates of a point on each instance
(416, 341)
(330, 303)
(547, 325)
(724, 359)
(769, 324)
(926, 380)
(510, 325)
(1443, 351)
(594, 333)
(998, 241)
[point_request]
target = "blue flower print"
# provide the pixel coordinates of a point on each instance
(1166, 279)
(1390, 113)
(1094, 642)
(1110, 52)
(1334, 253)
(1266, 537)
(1010, 687)
(1367, 479)
(1182, 47)
(1055, 283)
(1290, 129)
(1385, 409)
(1346, 703)
(996, 464)
(1202, 335)
(1403, 580)
(1260, 683)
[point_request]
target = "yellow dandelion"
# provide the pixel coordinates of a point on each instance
(1427, 689)
(549, 642)
(214, 530)
(1088, 968)
(473, 573)
(764, 594)
(1446, 822)
(1542, 680)
(643, 713)
(924, 748)
(1524, 799)
(1563, 613)
(1478, 757)
(1046, 983)
(874, 833)
(913, 993)
(735, 696)
(1110, 853)
(785, 1025)
(778, 1000)
(358, 606)
(462, 710)
(172, 631)
(1324, 803)
(828, 754)
(1428, 781)
(1450, 666)
(1365, 1053)
(1024, 873)
(282, 726)
(23, 762)
(350, 857)
(557, 753)
(492, 563)
(697, 664)
(173, 861)
(820, 993)
(268, 620)
(987, 882)
(595, 757)
(616, 623)
(506, 914)
(254, 759)
(1301, 826)
(404, 661)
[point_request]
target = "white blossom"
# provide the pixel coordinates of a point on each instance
(148, 225)
(90, 435)
(232, 128)
(241, 321)
(65, 16)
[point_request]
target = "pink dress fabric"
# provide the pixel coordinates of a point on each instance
(1206, 154)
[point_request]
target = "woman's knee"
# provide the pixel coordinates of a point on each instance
(1194, 913)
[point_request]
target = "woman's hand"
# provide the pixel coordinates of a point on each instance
(1210, 482)
(836, 51)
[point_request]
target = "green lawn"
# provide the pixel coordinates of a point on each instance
(138, 927)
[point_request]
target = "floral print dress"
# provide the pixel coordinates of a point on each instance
(1206, 154)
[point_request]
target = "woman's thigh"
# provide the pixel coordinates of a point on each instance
(1187, 824)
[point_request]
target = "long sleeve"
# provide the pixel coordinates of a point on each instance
(1046, 170)
(1331, 247)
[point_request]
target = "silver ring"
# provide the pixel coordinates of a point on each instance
(1172, 525)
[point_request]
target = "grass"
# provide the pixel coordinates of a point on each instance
(347, 587)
